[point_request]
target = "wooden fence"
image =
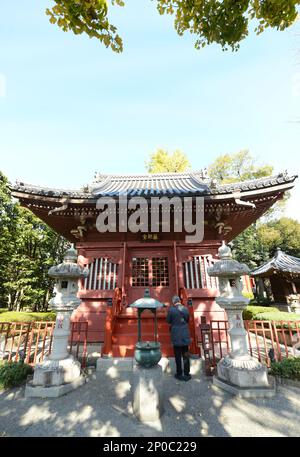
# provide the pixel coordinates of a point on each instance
(268, 341)
(31, 342)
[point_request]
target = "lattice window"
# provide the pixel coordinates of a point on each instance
(103, 275)
(147, 272)
(140, 272)
(196, 275)
(160, 272)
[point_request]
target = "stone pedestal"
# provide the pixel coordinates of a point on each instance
(55, 378)
(243, 373)
(148, 393)
(245, 392)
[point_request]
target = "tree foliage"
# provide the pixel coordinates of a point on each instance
(162, 161)
(241, 166)
(283, 233)
(89, 17)
(259, 242)
(28, 248)
(225, 22)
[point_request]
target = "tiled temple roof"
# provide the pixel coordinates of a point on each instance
(281, 262)
(181, 184)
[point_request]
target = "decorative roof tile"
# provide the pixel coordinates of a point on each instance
(148, 185)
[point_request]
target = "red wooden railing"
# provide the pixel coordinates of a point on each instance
(186, 301)
(267, 341)
(32, 341)
(113, 309)
(272, 339)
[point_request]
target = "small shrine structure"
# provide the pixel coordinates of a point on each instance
(283, 272)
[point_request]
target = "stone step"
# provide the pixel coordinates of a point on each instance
(128, 350)
(131, 327)
(132, 338)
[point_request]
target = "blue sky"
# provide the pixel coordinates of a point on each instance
(69, 106)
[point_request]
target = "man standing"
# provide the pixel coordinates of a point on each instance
(178, 318)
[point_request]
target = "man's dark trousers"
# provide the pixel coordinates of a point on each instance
(182, 352)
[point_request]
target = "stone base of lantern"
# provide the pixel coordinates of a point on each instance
(244, 377)
(54, 378)
(245, 392)
(148, 393)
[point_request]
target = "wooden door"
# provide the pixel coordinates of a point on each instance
(154, 270)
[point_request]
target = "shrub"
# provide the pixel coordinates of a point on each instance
(13, 316)
(287, 368)
(251, 312)
(13, 374)
(279, 316)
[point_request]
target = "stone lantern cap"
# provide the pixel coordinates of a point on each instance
(69, 268)
(147, 302)
(227, 266)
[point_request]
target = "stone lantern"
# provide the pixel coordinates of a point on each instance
(60, 372)
(238, 372)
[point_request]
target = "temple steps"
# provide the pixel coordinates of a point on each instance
(126, 332)
(147, 327)
(128, 338)
(132, 314)
(127, 350)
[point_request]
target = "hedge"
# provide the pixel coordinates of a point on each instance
(280, 316)
(287, 368)
(13, 316)
(13, 374)
(251, 312)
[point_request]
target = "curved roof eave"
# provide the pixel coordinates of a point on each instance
(281, 262)
(184, 185)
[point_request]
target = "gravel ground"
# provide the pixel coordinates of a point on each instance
(102, 408)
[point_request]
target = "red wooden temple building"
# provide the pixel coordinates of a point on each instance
(123, 264)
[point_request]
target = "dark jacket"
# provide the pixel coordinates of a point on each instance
(178, 317)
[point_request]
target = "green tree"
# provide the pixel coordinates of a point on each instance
(259, 242)
(28, 248)
(283, 233)
(162, 161)
(248, 249)
(241, 166)
(225, 22)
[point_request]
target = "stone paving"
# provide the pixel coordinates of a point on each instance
(102, 408)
